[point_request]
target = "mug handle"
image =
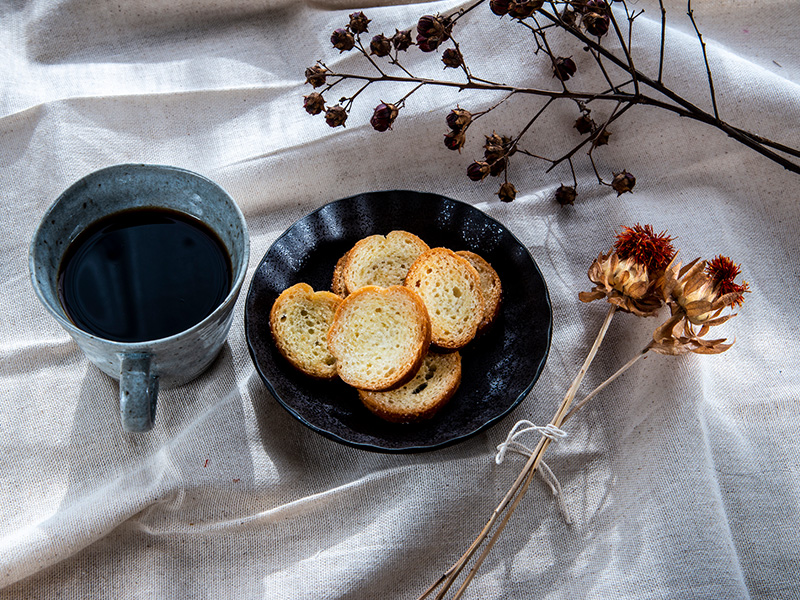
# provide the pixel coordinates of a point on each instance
(138, 388)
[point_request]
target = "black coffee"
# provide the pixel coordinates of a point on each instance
(143, 274)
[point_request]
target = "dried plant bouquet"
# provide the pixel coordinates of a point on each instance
(558, 31)
(639, 275)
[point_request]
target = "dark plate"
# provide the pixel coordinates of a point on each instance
(499, 368)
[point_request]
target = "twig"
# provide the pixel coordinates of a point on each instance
(705, 58)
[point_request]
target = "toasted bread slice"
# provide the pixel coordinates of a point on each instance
(431, 388)
(490, 286)
(337, 283)
(450, 287)
(381, 260)
(299, 320)
(379, 337)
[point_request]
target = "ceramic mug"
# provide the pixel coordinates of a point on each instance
(142, 366)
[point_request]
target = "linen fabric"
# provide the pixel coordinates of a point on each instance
(682, 478)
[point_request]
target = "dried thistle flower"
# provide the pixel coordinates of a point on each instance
(640, 242)
(564, 68)
(679, 336)
(507, 192)
(566, 195)
(694, 295)
(343, 40)
(380, 45)
(452, 58)
(623, 182)
(336, 116)
(316, 75)
(723, 271)
(358, 22)
(314, 103)
(383, 116)
(625, 283)
(402, 40)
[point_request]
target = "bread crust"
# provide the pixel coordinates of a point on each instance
(379, 337)
(338, 286)
(433, 385)
(491, 286)
(450, 287)
(299, 321)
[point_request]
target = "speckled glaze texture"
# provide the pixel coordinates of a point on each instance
(173, 360)
(499, 368)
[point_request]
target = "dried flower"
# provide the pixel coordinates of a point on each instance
(478, 170)
(522, 9)
(723, 271)
(358, 22)
(459, 119)
(452, 58)
(455, 140)
(499, 7)
(507, 192)
(569, 17)
(694, 295)
(380, 45)
(343, 40)
(316, 75)
(624, 283)
(640, 242)
(596, 24)
(678, 336)
(585, 124)
(314, 103)
(566, 195)
(623, 182)
(383, 116)
(402, 40)
(493, 153)
(564, 68)
(432, 31)
(336, 116)
(602, 138)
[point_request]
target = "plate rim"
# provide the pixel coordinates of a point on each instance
(414, 448)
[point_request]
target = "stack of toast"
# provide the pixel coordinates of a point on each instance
(393, 323)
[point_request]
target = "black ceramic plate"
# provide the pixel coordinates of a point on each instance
(499, 368)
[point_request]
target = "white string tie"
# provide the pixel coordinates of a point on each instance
(552, 433)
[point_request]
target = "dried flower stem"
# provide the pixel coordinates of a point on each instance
(510, 501)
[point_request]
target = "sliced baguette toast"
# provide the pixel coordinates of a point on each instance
(490, 286)
(381, 260)
(338, 286)
(423, 396)
(379, 337)
(450, 287)
(299, 321)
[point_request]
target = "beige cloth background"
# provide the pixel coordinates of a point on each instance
(683, 477)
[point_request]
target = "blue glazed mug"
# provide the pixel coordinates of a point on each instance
(141, 367)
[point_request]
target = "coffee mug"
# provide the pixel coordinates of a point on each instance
(129, 254)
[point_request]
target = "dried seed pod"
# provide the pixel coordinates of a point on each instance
(336, 116)
(459, 119)
(478, 170)
(493, 153)
(402, 40)
(602, 138)
(507, 192)
(358, 22)
(343, 40)
(497, 167)
(564, 68)
(452, 58)
(585, 124)
(596, 24)
(522, 9)
(499, 7)
(566, 195)
(434, 26)
(314, 103)
(455, 140)
(316, 75)
(623, 182)
(383, 116)
(380, 45)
